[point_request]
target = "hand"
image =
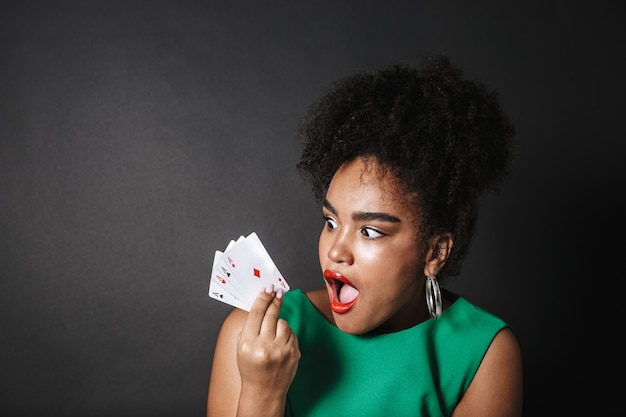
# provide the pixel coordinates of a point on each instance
(267, 349)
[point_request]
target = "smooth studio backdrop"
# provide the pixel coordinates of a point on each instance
(137, 137)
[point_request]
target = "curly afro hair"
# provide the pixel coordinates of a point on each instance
(445, 138)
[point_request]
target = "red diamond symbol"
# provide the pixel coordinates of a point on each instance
(257, 273)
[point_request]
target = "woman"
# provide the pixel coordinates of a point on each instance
(399, 159)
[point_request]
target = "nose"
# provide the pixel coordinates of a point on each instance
(340, 250)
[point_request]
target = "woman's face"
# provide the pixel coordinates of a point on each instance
(369, 252)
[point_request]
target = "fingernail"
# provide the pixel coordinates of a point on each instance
(269, 289)
(279, 293)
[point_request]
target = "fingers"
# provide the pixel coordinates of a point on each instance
(267, 349)
(263, 313)
(284, 334)
(268, 326)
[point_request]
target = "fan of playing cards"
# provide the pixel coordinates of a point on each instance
(241, 271)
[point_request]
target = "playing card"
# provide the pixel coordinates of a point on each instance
(216, 292)
(222, 271)
(221, 284)
(253, 266)
(232, 242)
(242, 271)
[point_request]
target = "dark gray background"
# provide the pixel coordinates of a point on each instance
(137, 137)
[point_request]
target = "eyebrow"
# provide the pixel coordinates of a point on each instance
(364, 215)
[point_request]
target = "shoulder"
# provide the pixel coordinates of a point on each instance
(229, 331)
(234, 320)
(503, 358)
(496, 389)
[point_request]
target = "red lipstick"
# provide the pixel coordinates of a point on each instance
(336, 283)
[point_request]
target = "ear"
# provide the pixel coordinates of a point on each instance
(439, 248)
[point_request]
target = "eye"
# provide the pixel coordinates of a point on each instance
(371, 233)
(331, 224)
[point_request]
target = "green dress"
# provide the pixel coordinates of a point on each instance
(421, 371)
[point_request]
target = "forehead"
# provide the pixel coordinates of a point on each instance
(363, 184)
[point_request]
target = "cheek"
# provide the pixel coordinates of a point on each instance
(371, 254)
(396, 264)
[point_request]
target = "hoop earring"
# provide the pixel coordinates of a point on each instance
(433, 297)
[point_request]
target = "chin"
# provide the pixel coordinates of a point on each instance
(348, 326)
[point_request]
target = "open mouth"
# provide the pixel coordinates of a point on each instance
(342, 293)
